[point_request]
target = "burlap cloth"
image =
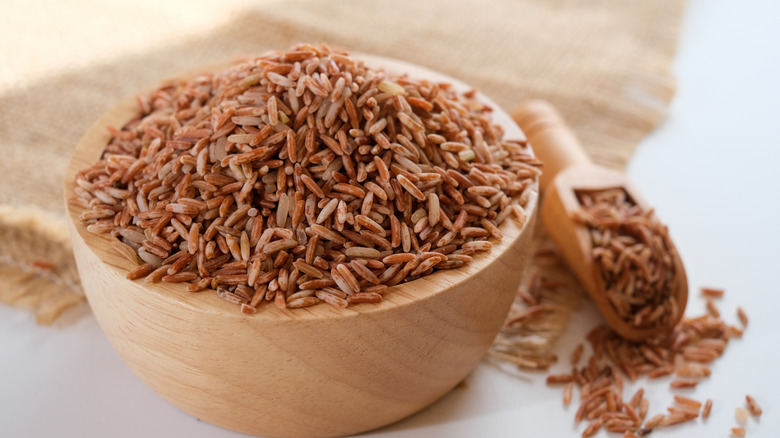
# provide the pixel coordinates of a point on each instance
(604, 63)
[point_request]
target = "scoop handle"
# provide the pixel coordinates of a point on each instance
(552, 140)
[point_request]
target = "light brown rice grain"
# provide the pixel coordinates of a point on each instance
(364, 297)
(741, 414)
(661, 371)
(280, 301)
(680, 383)
(140, 272)
(331, 299)
(707, 407)
(410, 187)
(201, 284)
(230, 297)
(712, 292)
(567, 393)
(655, 421)
(279, 245)
(742, 316)
(755, 409)
(712, 309)
(677, 418)
(687, 402)
(559, 378)
(693, 370)
(364, 272)
(246, 308)
(304, 301)
(157, 274)
(362, 252)
(592, 428)
(327, 234)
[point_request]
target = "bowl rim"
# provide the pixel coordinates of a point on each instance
(93, 142)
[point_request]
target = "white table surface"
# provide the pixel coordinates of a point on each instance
(711, 170)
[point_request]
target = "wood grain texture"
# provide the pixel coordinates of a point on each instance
(567, 170)
(316, 371)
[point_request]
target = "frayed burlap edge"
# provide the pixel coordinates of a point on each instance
(36, 263)
(540, 313)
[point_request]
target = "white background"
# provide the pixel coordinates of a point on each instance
(710, 170)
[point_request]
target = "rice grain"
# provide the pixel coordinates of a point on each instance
(755, 409)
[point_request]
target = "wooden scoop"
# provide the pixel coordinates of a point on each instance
(567, 169)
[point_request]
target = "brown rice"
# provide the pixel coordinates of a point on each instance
(753, 406)
(634, 257)
(601, 379)
(300, 167)
(705, 413)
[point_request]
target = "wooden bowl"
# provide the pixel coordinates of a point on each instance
(317, 371)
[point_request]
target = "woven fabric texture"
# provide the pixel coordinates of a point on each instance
(604, 63)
